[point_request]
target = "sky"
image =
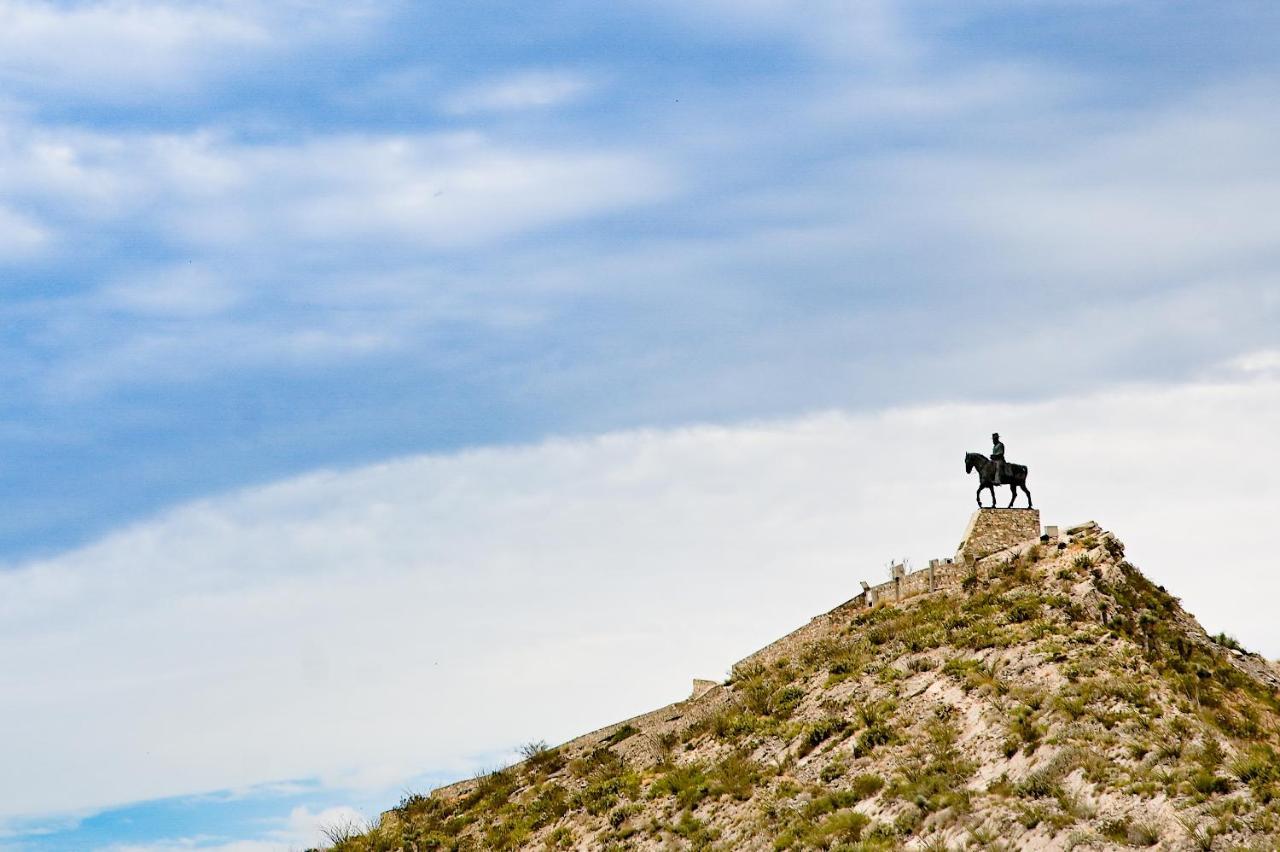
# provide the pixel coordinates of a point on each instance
(389, 384)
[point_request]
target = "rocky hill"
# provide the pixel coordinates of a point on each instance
(1040, 694)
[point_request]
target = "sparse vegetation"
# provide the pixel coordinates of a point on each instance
(1062, 674)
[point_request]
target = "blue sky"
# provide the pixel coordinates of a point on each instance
(278, 255)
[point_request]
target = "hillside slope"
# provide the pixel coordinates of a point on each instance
(1054, 699)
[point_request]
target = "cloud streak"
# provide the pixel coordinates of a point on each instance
(522, 90)
(139, 51)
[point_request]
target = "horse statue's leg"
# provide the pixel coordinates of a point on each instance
(977, 495)
(1013, 494)
(1028, 493)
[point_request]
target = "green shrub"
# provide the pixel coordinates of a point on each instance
(561, 838)
(830, 803)
(621, 734)
(601, 795)
(1115, 829)
(1206, 783)
(1024, 731)
(870, 738)
(816, 733)
(699, 835)
(1144, 834)
(1024, 609)
(736, 776)
(1259, 765)
(551, 803)
(689, 785)
(1227, 642)
(843, 826)
(540, 757)
(867, 785)
(832, 771)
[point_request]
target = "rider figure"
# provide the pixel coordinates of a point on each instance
(997, 456)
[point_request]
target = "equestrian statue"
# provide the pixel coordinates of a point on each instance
(996, 471)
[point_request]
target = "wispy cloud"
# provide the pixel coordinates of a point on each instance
(877, 32)
(20, 237)
(1264, 362)
(135, 50)
(521, 91)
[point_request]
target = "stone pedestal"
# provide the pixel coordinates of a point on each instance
(995, 529)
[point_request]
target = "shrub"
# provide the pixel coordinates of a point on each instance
(622, 733)
(764, 692)
(541, 757)
(736, 776)
(833, 770)
(1144, 834)
(344, 831)
(816, 733)
(662, 745)
(1024, 609)
(1024, 730)
(867, 785)
(1257, 766)
(561, 838)
(830, 803)
(1227, 642)
(688, 784)
(1115, 829)
(876, 735)
(1038, 785)
(601, 795)
(600, 763)
(695, 831)
(1206, 783)
(726, 723)
(843, 826)
(551, 803)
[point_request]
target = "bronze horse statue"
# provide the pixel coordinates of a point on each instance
(1015, 476)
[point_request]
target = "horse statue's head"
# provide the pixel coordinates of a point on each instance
(972, 460)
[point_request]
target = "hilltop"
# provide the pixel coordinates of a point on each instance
(1034, 692)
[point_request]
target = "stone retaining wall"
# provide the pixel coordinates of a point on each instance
(990, 530)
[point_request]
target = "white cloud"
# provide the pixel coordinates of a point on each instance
(447, 191)
(1262, 362)
(519, 91)
(871, 32)
(416, 190)
(407, 616)
(185, 290)
(370, 215)
(112, 44)
(131, 50)
(20, 236)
